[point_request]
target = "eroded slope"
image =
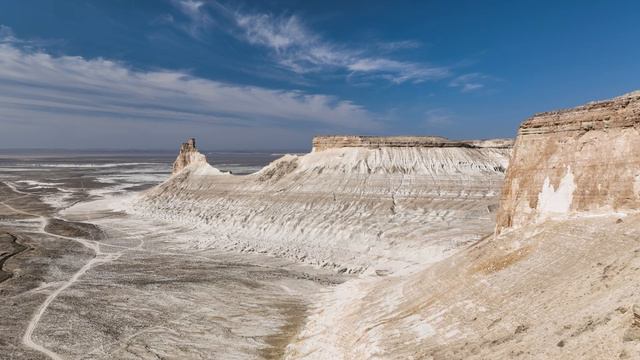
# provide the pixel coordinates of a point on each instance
(345, 207)
(561, 283)
(564, 290)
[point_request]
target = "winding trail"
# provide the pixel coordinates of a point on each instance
(99, 257)
(104, 250)
(27, 339)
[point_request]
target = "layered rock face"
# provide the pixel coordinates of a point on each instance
(188, 155)
(560, 289)
(350, 208)
(321, 143)
(573, 161)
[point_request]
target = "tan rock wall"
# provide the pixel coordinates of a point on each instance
(585, 159)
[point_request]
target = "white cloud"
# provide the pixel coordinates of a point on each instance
(279, 34)
(398, 72)
(46, 91)
(199, 18)
(469, 82)
(295, 47)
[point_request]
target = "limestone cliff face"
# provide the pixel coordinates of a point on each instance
(348, 207)
(321, 143)
(565, 162)
(188, 155)
(543, 289)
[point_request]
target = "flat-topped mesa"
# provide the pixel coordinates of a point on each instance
(321, 143)
(348, 208)
(585, 159)
(188, 155)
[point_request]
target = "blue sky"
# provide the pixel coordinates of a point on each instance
(270, 74)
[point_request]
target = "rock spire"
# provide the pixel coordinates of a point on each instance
(188, 155)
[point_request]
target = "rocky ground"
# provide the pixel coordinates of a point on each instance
(93, 283)
(559, 290)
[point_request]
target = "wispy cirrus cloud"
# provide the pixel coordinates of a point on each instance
(469, 82)
(299, 49)
(294, 46)
(198, 17)
(38, 88)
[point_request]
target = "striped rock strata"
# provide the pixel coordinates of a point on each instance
(565, 288)
(581, 160)
(346, 207)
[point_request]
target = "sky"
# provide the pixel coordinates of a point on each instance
(261, 75)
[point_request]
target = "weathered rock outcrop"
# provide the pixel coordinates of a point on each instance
(321, 143)
(188, 155)
(562, 289)
(565, 162)
(345, 207)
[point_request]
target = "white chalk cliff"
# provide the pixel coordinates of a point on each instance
(561, 283)
(556, 280)
(383, 205)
